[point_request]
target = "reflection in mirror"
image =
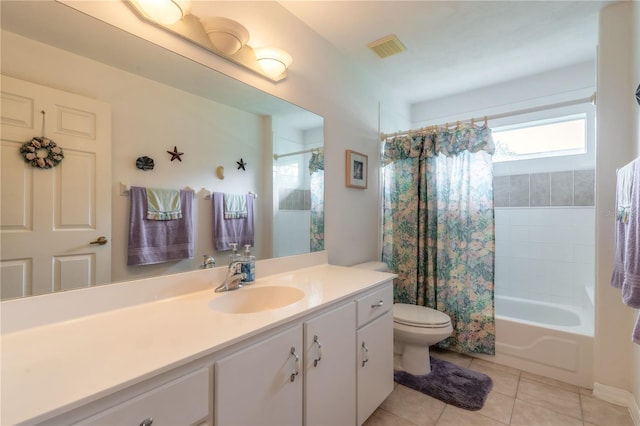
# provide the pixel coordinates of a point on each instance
(159, 100)
(298, 179)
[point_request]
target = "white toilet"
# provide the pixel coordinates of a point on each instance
(415, 328)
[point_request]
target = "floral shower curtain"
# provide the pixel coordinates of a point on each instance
(438, 228)
(316, 169)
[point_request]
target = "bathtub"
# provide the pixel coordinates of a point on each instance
(547, 339)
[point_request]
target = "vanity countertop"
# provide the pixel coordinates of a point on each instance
(51, 369)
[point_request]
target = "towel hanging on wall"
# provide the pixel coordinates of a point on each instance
(227, 231)
(626, 270)
(158, 241)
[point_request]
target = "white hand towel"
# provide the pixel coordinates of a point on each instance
(235, 206)
(624, 183)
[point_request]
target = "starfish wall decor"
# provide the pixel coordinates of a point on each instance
(175, 154)
(241, 164)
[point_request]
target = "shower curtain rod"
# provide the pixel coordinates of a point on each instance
(276, 156)
(486, 118)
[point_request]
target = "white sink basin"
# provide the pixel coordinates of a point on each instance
(256, 299)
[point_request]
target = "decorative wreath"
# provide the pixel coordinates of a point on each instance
(42, 152)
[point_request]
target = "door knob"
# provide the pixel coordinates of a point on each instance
(101, 240)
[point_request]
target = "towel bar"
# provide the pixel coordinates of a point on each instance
(125, 188)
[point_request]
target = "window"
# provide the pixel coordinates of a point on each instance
(553, 137)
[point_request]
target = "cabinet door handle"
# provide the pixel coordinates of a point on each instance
(147, 422)
(377, 305)
(296, 364)
(365, 354)
(318, 351)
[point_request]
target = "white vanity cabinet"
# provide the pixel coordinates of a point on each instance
(329, 368)
(262, 383)
(326, 361)
(374, 345)
(345, 364)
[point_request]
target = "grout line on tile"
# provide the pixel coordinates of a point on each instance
(513, 407)
(581, 409)
(440, 415)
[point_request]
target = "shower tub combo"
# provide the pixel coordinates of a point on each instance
(547, 339)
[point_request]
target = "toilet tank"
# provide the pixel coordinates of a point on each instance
(373, 266)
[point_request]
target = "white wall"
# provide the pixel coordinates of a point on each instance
(617, 115)
(569, 83)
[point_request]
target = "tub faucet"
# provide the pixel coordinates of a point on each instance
(234, 276)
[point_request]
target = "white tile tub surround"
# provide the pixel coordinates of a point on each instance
(545, 253)
(293, 232)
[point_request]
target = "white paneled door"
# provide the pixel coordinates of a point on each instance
(50, 217)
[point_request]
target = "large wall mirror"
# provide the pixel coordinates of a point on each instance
(156, 100)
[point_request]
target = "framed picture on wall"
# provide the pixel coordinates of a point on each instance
(356, 170)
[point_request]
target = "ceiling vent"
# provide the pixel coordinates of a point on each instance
(387, 46)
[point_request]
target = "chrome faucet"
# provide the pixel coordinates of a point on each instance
(208, 262)
(234, 276)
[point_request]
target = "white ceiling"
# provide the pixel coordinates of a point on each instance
(455, 46)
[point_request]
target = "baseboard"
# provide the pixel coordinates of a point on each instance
(635, 412)
(618, 397)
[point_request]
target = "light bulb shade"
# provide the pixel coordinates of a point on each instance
(273, 61)
(165, 12)
(227, 35)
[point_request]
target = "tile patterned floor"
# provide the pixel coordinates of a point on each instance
(518, 398)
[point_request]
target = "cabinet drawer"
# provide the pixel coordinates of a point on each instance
(372, 305)
(183, 401)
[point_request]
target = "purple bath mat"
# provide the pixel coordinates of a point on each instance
(450, 383)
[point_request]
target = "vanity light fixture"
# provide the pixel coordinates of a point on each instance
(221, 36)
(165, 12)
(227, 35)
(272, 60)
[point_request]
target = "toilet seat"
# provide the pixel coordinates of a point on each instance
(419, 316)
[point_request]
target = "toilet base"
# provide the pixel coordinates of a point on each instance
(412, 359)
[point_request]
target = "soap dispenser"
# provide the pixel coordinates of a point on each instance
(234, 256)
(249, 265)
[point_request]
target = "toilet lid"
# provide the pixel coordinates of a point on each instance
(419, 316)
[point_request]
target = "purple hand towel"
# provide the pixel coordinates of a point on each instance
(631, 282)
(154, 241)
(620, 236)
(226, 231)
(626, 271)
